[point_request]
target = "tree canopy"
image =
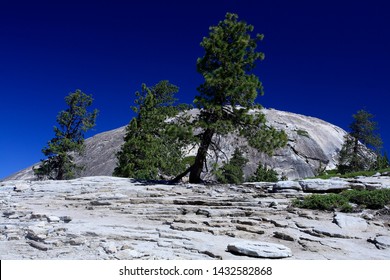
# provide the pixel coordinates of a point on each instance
(69, 138)
(154, 139)
(362, 144)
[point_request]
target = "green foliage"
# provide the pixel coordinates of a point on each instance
(263, 174)
(382, 161)
(353, 155)
(230, 89)
(153, 144)
(69, 138)
(303, 133)
(328, 202)
(232, 172)
(188, 160)
(375, 199)
(368, 173)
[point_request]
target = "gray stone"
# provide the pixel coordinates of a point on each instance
(332, 231)
(283, 236)
(128, 254)
(38, 245)
(21, 186)
(14, 217)
(8, 213)
(53, 219)
(66, 219)
(250, 229)
(357, 186)
(77, 241)
(367, 216)
(321, 185)
(373, 186)
(110, 248)
(13, 236)
(382, 242)
(286, 185)
(260, 250)
(100, 203)
(36, 233)
(349, 222)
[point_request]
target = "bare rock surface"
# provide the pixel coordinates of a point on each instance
(116, 218)
(349, 222)
(320, 185)
(312, 146)
(260, 250)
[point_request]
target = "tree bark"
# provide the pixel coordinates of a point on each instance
(200, 159)
(180, 176)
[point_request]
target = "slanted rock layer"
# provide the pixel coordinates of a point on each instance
(116, 218)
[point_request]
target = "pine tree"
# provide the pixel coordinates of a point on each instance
(361, 145)
(263, 174)
(154, 141)
(382, 161)
(69, 138)
(228, 93)
(232, 172)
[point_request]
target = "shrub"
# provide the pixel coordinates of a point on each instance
(232, 173)
(375, 199)
(263, 174)
(328, 202)
(303, 133)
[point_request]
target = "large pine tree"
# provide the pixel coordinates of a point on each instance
(227, 96)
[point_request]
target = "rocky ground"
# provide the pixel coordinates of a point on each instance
(116, 218)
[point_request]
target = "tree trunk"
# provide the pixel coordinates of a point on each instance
(180, 176)
(355, 155)
(200, 159)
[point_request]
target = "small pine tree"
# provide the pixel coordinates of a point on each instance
(382, 161)
(263, 174)
(360, 145)
(232, 172)
(69, 138)
(153, 145)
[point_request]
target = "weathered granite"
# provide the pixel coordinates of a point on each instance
(312, 146)
(56, 220)
(260, 250)
(320, 185)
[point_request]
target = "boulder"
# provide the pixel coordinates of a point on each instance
(284, 186)
(323, 186)
(53, 219)
(260, 250)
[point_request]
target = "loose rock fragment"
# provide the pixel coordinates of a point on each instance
(260, 250)
(38, 245)
(283, 236)
(53, 219)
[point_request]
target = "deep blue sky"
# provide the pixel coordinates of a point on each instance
(325, 59)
